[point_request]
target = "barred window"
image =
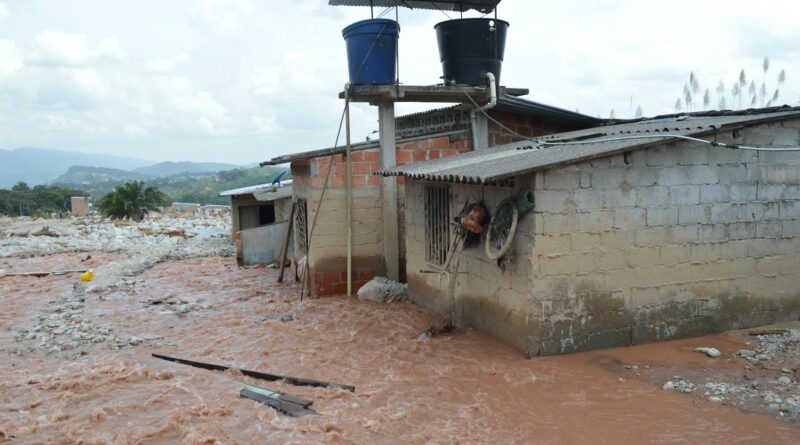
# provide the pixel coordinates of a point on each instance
(437, 224)
(301, 228)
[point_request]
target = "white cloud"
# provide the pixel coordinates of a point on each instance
(57, 48)
(3, 12)
(10, 59)
(225, 15)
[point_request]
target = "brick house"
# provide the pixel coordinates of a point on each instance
(420, 137)
(629, 241)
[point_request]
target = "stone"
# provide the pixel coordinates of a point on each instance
(669, 386)
(133, 341)
(384, 290)
(784, 380)
(711, 352)
(746, 353)
(715, 399)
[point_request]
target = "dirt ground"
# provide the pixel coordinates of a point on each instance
(87, 376)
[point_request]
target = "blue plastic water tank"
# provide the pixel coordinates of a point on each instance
(372, 51)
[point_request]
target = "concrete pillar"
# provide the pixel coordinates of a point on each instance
(391, 242)
(481, 131)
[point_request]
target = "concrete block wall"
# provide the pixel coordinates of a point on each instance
(674, 240)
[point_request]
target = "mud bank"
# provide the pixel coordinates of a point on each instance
(461, 387)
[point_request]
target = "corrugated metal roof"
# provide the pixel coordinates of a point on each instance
(499, 163)
(484, 6)
(268, 191)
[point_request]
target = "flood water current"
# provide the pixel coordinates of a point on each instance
(462, 387)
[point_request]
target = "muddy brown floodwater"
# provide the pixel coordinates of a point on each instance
(462, 387)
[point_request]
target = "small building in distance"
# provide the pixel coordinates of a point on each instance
(183, 209)
(215, 210)
(260, 221)
(79, 205)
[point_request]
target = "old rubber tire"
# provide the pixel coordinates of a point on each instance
(499, 239)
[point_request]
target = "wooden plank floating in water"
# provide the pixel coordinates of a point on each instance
(278, 395)
(288, 408)
(297, 381)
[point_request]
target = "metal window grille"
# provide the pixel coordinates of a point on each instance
(437, 224)
(301, 228)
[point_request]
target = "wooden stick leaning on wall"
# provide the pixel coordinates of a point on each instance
(285, 247)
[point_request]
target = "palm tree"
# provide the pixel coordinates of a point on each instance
(131, 200)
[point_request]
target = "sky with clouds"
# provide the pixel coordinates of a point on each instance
(244, 80)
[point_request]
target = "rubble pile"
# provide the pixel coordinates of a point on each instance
(65, 328)
(183, 237)
(769, 382)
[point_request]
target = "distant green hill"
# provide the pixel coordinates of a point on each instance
(202, 188)
(176, 168)
(89, 176)
(39, 166)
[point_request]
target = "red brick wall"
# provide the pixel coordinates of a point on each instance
(523, 125)
(335, 283)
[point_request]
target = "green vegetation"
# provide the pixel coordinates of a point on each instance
(132, 200)
(202, 188)
(37, 201)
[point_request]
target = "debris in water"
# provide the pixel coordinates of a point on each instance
(291, 406)
(669, 386)
(257, 374)
(711, 352)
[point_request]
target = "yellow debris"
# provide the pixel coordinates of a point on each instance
(87, 276)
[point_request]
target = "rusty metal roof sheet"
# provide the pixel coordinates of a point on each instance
(491, 165)
(263, 192)
(484, 6)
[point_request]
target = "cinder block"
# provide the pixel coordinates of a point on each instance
(588, 199)
(661, 156)
(655, 196)
(643, 256)
(713, 233)
(559, 223)
(690, 154)
(651, 236)
(552, 244)
(609, 178)
(715, 193)
(661, 216)
(683, 234)
(559, 179)
(674, 254)
(616, 198)
(684, 194)
(595, 221)
(744, 192)
(696, 214)
(741, 231)
(770, 229)
(791, 227)
(701, 174)
(556, 201)
(631, 218)
(672, 176)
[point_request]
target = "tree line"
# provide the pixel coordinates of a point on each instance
(40, 200)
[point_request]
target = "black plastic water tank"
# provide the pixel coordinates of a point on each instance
(469, 48)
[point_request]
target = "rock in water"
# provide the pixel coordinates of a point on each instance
(669, 386)
(746, 353)
(711, 352)
(384, 290)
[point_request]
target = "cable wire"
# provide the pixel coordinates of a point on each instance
(673, 136)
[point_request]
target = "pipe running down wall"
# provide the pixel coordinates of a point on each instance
(473, 116)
